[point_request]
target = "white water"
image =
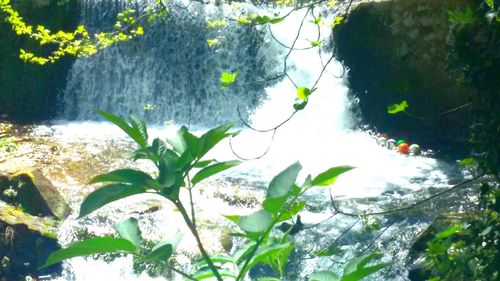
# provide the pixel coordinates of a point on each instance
(321, 136)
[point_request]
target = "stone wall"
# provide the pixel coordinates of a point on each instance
(29, 92)
(396, 50)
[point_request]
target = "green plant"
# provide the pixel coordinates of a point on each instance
(8, 144)
(176, 160)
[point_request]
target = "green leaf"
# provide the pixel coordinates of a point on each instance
(279, 188)
(98, 245)
(207, 273)
(129, 230)
(194, 144)
(202, 164)
(398, 107)
(330, 251)
(214, 136)
(163, 250)
(131, 131)
(294, 209)
(266, 19)
(468, 162)
(269, 279)
(316, 43)
(303, 93)
(264, 254)
(216, 259)
(329, 176)
(300, 105)
(281, 184)
(490, 4)
(257, 222)
(360, 262)
(228, 78)
(452, 230)
(106, 195)
(128, 176)
(212, 170)
(324, 275)
(361, 273)
(178, 142)
(140, 126)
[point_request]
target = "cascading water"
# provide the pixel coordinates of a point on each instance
(174, 70)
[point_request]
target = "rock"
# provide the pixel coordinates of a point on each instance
(25, 243)
(35, 193)
(396, 50)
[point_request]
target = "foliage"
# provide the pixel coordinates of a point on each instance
(176, 160)
(398, 107)
(470, 250)
(80, 42)
(8, 144)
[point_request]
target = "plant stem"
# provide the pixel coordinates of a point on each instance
(204, 253)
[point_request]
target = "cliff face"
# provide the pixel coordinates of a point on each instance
(396, 50)
(29, 92)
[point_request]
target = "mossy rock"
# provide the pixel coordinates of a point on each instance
(25, 243)
(34, 193)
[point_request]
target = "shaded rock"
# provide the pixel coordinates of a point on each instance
(34, 193)
(25, 243)
(396, 50)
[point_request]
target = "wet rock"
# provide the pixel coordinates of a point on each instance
(34, 193)
(25, 243)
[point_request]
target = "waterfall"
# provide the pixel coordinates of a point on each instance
(171, 69)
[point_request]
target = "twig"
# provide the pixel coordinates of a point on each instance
(338, 210)
(264, 130)
(253, 158)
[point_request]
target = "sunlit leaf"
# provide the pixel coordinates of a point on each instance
(128, 176)
(361, 273)
(207, 273)
(324, 275)
(303, 93)
(257, 222)
(279, 188)
(214, 136)
(163, 250)
(398, 107)
(98, 245)
(129, 229)
(106, 195)
(212, 170)
(133, 132)
(217, 259)
(229, 77)
(178, 142)
(330, 176)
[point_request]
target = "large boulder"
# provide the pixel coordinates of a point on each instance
(34, 193)
(25, 243)
(396, 50)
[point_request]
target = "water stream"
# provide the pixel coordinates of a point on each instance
(173, 70)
